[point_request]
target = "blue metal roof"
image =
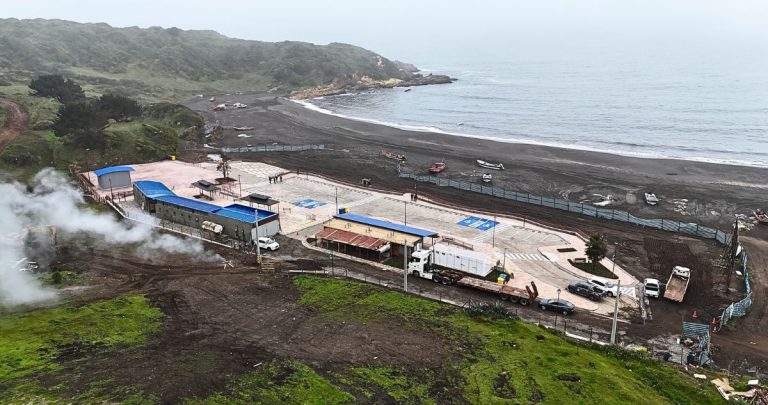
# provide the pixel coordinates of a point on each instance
(108, 170)
(243, 213)
(386, 225)
(152, 189)
(188, 203)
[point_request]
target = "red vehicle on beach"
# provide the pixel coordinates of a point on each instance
(437, 167)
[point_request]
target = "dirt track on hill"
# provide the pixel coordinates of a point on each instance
(16, 121)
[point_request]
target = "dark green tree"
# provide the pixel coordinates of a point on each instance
(82, 123)
(596, 248)
(119, 108)
(55, 86)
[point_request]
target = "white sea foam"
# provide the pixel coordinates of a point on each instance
(433, 129)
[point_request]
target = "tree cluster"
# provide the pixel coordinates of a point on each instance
(55, 86)
(83, 120)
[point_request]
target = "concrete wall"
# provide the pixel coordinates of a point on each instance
(118, 180)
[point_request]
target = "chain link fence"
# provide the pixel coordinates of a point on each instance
(273, 148)
(734, 310)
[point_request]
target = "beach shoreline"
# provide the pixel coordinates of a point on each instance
(690, 191)
(307, 103)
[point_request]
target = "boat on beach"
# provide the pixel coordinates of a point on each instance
(393, 155)
(437, 167)
(243, 128)
(761, 217)
(651, 199)
(488, 165)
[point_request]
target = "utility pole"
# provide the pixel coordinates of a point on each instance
(240, 183)
(405, 266)
(337, 200)
(493, 243)
(110, 190)
(258, 248)
(405, 212)
(504, 265)
(615, 313)
(615, 257)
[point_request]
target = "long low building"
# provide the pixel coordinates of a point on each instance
(236, 220)
(370, 238)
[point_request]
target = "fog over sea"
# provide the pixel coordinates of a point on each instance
(694, 106)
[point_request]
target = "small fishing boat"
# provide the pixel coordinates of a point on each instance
(393, 155)
(243, 128)
(487, 177)
(761, 217)
(651, 199)
(488, 165)
(437, 167)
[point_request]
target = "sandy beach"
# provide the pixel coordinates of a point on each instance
(690, 191)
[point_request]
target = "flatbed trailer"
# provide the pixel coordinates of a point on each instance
(523, 296)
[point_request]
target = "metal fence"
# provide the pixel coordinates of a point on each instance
(273, 148)
(688, 228)
(739, 309)
(734, 310)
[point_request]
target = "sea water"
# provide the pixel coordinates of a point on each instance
(706, 108)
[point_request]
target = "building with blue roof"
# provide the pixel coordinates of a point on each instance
(110, 178)
(356, 235)
(237, 221)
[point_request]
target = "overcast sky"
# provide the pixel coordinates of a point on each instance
(414, 30)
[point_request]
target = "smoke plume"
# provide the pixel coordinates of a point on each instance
(52, 201)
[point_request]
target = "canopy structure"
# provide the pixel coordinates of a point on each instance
(260, 199)
(205, 186)
(353, 239)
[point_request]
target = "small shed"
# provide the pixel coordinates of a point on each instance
(114, 177)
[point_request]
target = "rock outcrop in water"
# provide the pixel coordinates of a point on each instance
(357, 82)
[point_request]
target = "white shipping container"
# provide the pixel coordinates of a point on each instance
(464, 260)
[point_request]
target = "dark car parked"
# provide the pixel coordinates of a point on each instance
(552, 304)
(585, 290)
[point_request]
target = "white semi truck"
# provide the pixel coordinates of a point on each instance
(420, 265)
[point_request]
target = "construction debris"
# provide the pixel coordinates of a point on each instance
(726, 391)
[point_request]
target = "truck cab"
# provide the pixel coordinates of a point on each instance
(420, 264)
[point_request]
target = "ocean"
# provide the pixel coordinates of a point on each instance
(705, 108)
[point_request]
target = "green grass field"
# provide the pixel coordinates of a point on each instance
(32, 344)
(491, 360)
(598, 269)
(513, 361)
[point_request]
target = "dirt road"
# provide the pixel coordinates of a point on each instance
(16, 121)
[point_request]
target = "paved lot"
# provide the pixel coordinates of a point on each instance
(529, 252)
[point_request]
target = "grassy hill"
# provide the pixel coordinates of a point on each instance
(160, 62)
(487, 359)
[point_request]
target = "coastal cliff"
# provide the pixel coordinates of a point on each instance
(359, 82)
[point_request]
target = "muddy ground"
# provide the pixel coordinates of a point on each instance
(16, 121)
(715, 194)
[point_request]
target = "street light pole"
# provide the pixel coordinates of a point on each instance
(493, 243)
(615, 257)
(405, 212)
(558, 301)
(504, 265)
(615, 313)
(240, 183)
(337, 200)
(405, 265)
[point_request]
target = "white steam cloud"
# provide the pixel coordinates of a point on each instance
(52, 201)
